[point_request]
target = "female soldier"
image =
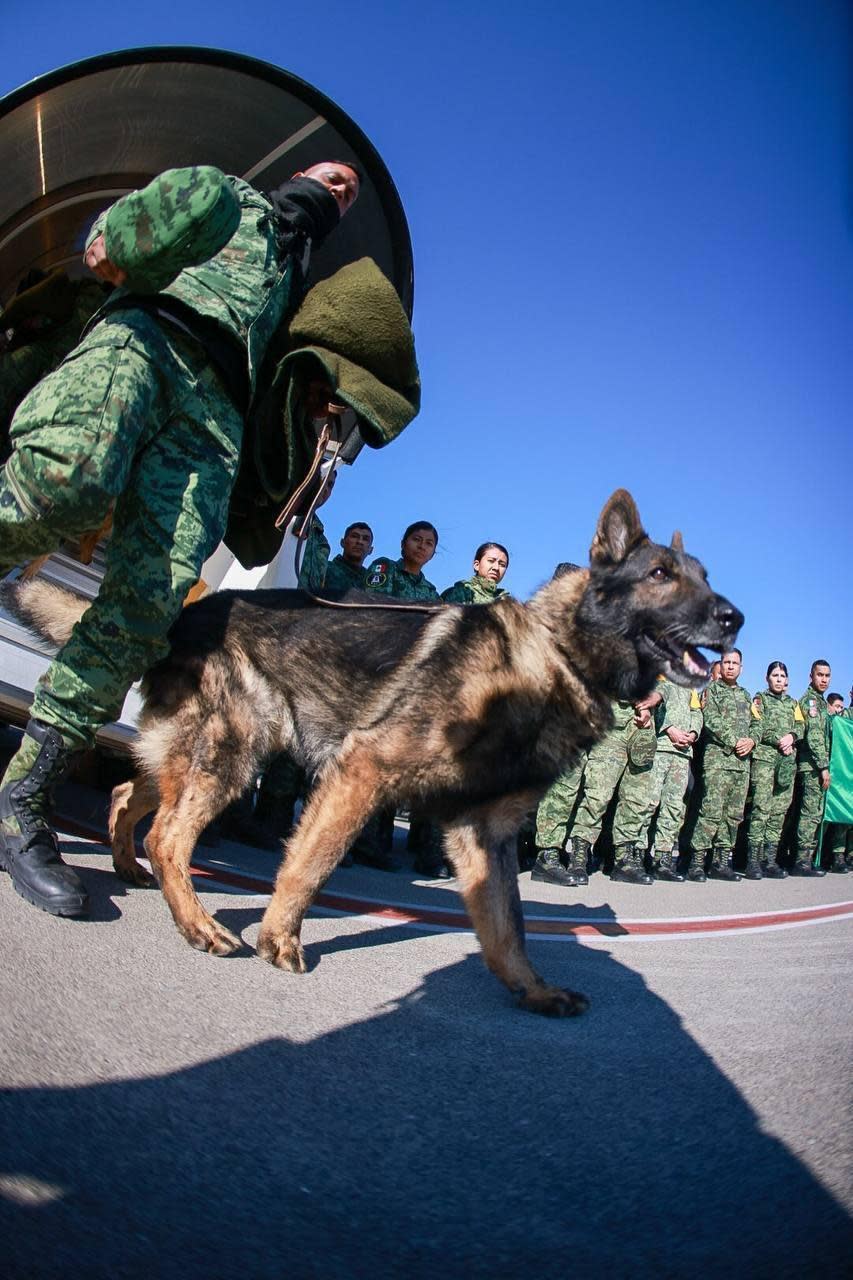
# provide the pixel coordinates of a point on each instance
(778, 725)
(491, 561)
(404, 578)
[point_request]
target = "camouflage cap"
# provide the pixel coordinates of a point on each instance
(179, 220)
(641, 748)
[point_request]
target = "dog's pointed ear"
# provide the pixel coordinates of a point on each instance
(619, 530)
(677, 541)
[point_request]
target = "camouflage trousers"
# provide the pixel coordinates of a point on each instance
(557, 807)
(837, 841)
(811, 799)
(768, 803)
(134, 417)
(666, 798)
(608, 772)
(721, 808)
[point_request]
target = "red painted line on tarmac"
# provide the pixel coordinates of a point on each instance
(552, 926)
(451, 918)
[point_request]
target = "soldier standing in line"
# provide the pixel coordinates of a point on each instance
(555, 813)
(404, 578)
(347, 570)
(812, 768)
(778, 726)
(621, 761)
(678, 724)
(727, 733)
(491, 561)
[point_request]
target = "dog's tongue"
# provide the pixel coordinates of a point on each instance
(695, 663)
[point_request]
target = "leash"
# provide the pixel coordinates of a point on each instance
(312, 487)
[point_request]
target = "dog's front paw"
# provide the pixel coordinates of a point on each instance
(554, 1002)
(208, 935)
(133, 872)
(284, 951)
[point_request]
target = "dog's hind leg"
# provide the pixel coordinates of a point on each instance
(130, 802)
(338, 808)
(486, 864)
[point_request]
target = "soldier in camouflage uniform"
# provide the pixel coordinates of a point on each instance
(41, 324)
(728, 744)
(678, 724)
(777, 727)
(348, 570)
(812, 768)
(555, 862)
(404, 578)
(146, 413)
(621, 763)
(491, 561)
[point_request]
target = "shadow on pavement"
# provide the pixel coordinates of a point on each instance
(449, 1135)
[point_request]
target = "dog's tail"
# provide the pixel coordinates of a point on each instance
(47, 610)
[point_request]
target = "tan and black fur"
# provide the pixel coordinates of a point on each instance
(469, 712)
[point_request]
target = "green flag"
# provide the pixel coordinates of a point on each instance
(839, 797)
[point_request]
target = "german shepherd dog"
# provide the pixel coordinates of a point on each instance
(467, 711)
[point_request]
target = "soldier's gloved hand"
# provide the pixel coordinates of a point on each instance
(97, 261)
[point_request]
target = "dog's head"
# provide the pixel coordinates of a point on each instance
(647, 609)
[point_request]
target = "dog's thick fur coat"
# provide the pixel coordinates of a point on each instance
(469, 712)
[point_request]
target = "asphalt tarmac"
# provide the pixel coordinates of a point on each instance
(391, 1113)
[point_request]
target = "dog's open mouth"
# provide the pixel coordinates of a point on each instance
(682, 663)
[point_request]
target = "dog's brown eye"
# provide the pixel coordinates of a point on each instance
(658, 574)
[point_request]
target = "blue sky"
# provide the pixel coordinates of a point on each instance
(632, 235)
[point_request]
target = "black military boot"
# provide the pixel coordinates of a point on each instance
(29, 850)
(721, 866)
(753, 861)
(805, 867)
(548, 867)
(628, 865)
(839, 864)
(697, 867)
(770, 866)
(667, 867)
(578, 851)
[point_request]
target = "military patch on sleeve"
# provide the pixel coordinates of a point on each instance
(798, 715)
(756, 708)
(695, 701)
(812, 708)
(378, 575)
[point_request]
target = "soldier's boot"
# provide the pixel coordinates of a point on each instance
(805, 867)
(839, 864)
(29, 849)
(578, 851)
(549, 867)
(770, 866)
(628, 865)
(667, 867)
(753, 861)
(721, 866)
(697, 867)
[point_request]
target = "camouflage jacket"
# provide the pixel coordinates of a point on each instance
(210, 241)
(35, 354)
(728, 717)
(774, 715)
(813, 751)
(340, 575)
(391, 579)
(315, 558)
(680, 709)
(474, 590)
